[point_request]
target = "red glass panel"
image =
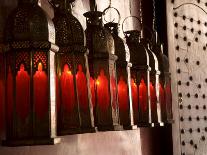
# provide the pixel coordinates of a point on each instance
(162, 98)
(168, 95)
(134, 94)
(40, 85)
(143, 95)
(22, 93)
(82, 88)
(9, 96)
(122, 94)
(1, 92)
(153, 97)
(67, 89)
(92, 86)
(103, 97)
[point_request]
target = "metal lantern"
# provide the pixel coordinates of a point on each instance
(74, 104)
(102, 67)
(30, 77)
(140, 77)
(167, 88)
(164, 82)
(123, 77)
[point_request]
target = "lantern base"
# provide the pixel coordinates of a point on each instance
(110, 128)
(89, 130)
(130, 127)
(31, 142)
(74, 131)
(160, 124)
(142, 124)
(170, 121)
(70, 131)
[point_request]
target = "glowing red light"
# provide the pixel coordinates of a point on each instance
(40, 85)
(22, 93)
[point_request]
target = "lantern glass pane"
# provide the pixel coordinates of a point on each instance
(9, 91)
(82, 85)
(22, 92)
(102, 90)
(153, 99)
(40, 84)
(168, 96)
(162, 101)
(123, 95)
(68, 113)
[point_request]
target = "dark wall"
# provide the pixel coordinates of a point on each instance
(160, 19)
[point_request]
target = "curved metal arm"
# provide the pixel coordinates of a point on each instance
(142, 26)
(190, 4)
(107, 9)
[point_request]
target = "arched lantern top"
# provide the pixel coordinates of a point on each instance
(99, 39)
(138, 53)
(29, 23)
(68, 29)
(118, 42)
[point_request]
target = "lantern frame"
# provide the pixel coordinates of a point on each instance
(75, 114)
(123, 75)
(102, 67)
(140, 75)
(30, 72)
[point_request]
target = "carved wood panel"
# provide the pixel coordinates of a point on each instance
(187, 37)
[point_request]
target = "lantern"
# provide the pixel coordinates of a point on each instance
(102, 67)
(30, 77)
(140, 77)
(164, 82)
(123, 77)
(74, 104)
(167, 88)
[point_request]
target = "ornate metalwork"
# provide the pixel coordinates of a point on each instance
(30, 80)
(140, 73)
(102, 62)
(77, 115)
(123, 77)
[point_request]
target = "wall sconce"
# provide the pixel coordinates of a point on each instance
(30, 77)
(74, 106)
(102, 67)
(123, 75)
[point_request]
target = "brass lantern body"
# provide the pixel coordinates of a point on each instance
(75, 111)
(102, 67)
(123, 68)
(140, 78)
(30, 77)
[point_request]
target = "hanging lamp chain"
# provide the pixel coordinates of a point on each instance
(110, 3)
(154, 16)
